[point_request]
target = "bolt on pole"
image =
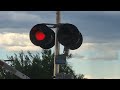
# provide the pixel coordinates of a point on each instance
(57, 45)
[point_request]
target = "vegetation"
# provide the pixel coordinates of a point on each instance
(36, 66)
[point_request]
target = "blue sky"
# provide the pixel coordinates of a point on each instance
(98, 57)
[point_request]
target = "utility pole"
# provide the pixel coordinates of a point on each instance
(57, 45)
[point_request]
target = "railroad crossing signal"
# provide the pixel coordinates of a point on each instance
(68, 35)
(43, 36)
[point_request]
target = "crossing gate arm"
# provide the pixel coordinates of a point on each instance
(13, 70)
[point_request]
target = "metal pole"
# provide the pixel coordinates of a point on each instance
(57, 45)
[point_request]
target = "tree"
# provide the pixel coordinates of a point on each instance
(36, 66)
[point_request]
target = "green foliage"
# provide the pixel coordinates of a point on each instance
(38, 66)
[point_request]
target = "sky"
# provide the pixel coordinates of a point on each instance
(99, 55)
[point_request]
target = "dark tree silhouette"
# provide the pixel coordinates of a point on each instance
(36, 66)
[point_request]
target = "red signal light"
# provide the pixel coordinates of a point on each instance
(40, 36)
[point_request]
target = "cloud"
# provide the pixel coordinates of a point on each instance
(88, 76)
(17, 42)
(96, 27)
(112, 12)
(23, 48)
(95, 12)
(100, 30)
(23, 19)
(19, 16)
(15, 30)
(112, 77)
(97, 51)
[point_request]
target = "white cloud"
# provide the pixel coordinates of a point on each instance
(88, 76)
(107, 77)
(24, 48)
(17, 42)
(112, 77)
(13, 30)
(97, 51)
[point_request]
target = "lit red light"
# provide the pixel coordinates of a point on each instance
(40, 36)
